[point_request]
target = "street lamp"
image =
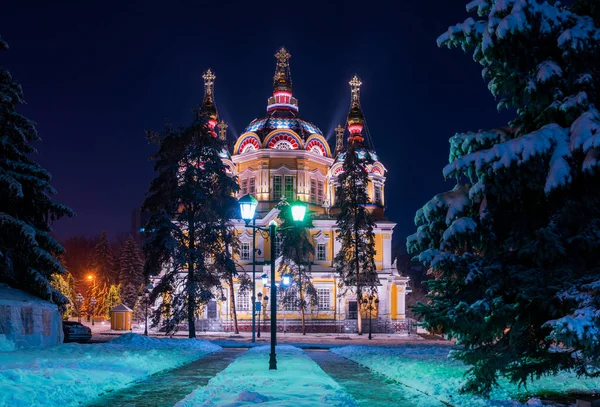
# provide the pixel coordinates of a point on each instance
(265, 279)
(93, 309)
(247, 208)
(146, 295)
(258, 308)
(370, 305)
(79, 299)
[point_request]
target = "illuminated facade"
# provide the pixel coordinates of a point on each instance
(282, 155)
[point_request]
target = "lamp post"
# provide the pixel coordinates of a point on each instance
(247, 208)
(79, 299)
(370, 305)
(146, 296)
(259, 304)
(93, 309)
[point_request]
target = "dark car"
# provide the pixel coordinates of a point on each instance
(76, 332)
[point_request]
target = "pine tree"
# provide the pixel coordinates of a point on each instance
(27, 249)
(103, 263)
(355, 262)
(513, 247)
(113, 298)
(65, 284)
(132, 265)
(190, 202)
(297, 253)
(129, 295)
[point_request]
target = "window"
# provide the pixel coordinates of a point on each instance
(277, 189)
(323, 297)
(288, 299)
(252, 186)
(244, 187)
(243, 301)
(313, 190)
(289, 188)
(378, 194)
(27, 321)
(321, 252)
(320, 192)
(5, 323)
(245, 251)
(46, 320)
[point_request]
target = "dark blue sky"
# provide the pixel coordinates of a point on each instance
(97, 74)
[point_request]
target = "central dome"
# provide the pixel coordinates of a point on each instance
(282, 120)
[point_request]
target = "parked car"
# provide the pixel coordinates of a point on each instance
(76, 332)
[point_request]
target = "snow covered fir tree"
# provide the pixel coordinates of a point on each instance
(513, 249)
(280, 156)
(28, 252)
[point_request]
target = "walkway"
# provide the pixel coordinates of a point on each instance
(167, 388)
(369, 388)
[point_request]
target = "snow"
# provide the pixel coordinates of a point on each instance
(298, 381)
(429, 369)
(70, 374)
(547, 70)
(459, 226)
(6, 345)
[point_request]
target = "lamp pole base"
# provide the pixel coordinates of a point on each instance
(272, 361)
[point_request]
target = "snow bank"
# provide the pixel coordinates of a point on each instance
(6, 345)
(298, 381)
(428, 369)
(70, 374)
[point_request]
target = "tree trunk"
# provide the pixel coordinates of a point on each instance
(302, 313)
(191, 292)
(233, 310)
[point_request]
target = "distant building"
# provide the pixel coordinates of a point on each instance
(138, 220)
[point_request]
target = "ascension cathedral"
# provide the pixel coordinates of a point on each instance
(281, 155)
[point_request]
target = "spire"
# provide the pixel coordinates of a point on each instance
(222, 126)
(208, 103)
(355, 116)
(339, 138)
(282, 84)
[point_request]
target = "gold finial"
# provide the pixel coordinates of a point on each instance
(355, 89)
(209, 82)
(339, 138)
(283, 58)
(222, 130)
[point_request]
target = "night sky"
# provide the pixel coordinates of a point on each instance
(97, 74)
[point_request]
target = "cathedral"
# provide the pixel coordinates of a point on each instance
(282, 156)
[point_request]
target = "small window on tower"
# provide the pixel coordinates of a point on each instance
(245, 251)
(244, 187)
(252, 186)
(321, 252)
(378, 195)
(320, 192)
(313, 190)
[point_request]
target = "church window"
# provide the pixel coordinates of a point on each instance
(313, 190)
(252, 186)
(243, 301)
(378, 194)
(245, 251)
(289, 188)
(244, 187)
(320, 192)
(323, 297)
(277, 190)
(321, 252)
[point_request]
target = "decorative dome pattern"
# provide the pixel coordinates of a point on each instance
(267, 124)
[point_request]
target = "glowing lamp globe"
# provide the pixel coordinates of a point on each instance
(265, 279)
(285, 279)
(247, 207)
(298, 211)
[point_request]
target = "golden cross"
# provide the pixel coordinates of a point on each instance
(222, 130)
(355, 88)
(283, 58)
(209, 82)
(339, 137)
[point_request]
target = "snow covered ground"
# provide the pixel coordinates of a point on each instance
(298, 382)
(428, 369)
(70, 374)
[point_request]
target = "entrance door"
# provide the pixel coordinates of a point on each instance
(211, 310)
(352, 310)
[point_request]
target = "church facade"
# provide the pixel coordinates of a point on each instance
(282, 156)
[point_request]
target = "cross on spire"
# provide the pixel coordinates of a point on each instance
(209, 83)
(355, 89)
(283, 58)
(222, 126)
(339, 138)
